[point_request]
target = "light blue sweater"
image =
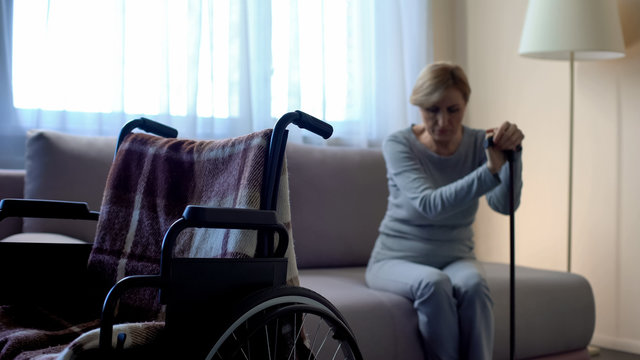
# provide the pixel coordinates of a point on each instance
(433, 199)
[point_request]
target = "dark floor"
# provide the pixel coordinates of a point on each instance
(606, 354)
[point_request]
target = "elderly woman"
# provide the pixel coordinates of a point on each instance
(437, 171)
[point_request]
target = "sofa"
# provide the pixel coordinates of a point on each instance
(338, 197)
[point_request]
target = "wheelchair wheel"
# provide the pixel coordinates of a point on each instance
(287, 323)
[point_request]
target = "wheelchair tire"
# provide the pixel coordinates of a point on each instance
(286, 323)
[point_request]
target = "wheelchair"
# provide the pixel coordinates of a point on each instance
(213, 308)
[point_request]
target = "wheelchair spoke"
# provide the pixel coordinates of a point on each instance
(241, 349)
(336, 353)
(297, 336)
(319, 342)
(326, 336)
(266, 334)
(275, 346)
(315, 337)
(289, 329)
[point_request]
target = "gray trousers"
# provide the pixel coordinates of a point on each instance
(454, 306)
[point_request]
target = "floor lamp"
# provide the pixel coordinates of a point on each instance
(572, 30)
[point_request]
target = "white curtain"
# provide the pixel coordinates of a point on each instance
(11, 133)
(212, 68)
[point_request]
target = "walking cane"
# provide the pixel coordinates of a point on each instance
(512, 253)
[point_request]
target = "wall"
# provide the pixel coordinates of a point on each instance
(483, 36)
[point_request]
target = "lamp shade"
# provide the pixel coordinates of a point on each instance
(590, 29)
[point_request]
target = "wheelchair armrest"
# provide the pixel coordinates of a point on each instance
(229, 218)
(225, 218)
(42, 272)
(243, 219)
(46, 209)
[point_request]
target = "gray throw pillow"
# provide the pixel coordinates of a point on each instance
(66, 167)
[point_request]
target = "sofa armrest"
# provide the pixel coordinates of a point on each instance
(11, 183)
(11, 186)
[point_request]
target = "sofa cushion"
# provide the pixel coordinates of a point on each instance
(336, 207)
(66, 167)
(49, 238)
(384, 324)
(555, 312)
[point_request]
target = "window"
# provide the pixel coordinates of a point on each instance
(214, 67)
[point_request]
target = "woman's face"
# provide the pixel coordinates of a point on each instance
(443, 120)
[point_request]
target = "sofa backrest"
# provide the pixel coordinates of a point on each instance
(338, 198)
(66, 167)
(338, 195)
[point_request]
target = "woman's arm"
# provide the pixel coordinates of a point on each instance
(498, 198)
(433, 202)
(507, 137)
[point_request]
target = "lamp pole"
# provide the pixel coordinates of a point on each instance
(570, 203)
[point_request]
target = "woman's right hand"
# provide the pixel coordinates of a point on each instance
(495, 158)
(507, 137)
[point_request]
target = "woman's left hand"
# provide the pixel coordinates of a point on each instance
(508, 137)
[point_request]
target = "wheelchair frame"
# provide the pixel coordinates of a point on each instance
(265, 297)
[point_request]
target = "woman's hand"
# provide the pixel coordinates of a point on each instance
(507, 137)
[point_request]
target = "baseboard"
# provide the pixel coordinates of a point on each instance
(626, 345)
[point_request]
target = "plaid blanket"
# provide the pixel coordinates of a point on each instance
(29, 332)
(150, 183)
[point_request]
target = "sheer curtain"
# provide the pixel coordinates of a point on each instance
(11, 133)
(211, 68)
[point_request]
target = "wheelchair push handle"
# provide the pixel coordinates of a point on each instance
(316, 126)
(303, 121)
(157, 128)
(147, 125)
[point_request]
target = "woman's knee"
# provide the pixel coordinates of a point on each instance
(473, 285)
(434, 285)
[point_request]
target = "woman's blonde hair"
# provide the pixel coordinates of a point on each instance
(434, 79)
